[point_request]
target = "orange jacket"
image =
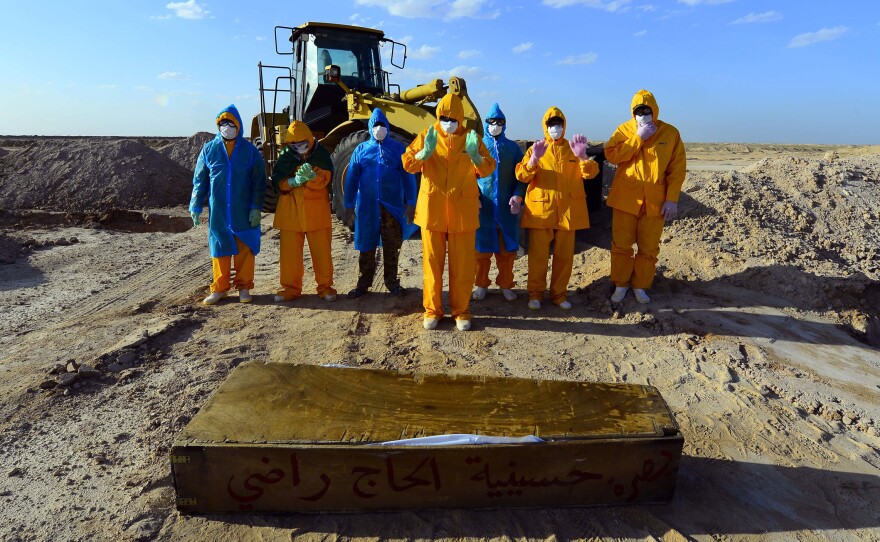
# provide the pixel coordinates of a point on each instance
(449, 197)
(648, 172)
(555, 197)
(304, 208)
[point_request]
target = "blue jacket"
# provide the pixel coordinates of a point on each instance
(233, 186)
(497, 189)
(376, 178)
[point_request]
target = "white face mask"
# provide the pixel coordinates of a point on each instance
(379, 132)
(644, 119)
(301, 148)
(495, 130)
(449, 126)
(555, 131)
(228, 132)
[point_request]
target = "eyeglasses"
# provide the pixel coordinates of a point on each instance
(446, 119)
(554, 122)
(642, 111)
(226, 122)
(496, 122)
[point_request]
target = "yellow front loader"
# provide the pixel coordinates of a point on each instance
(334, 81)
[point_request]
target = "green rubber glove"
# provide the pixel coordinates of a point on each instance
(254, 218)
(472, 146)
(430, 144)
(304, 174)
(195, 219)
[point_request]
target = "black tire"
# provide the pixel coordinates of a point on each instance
(341, 157)
(270, 201)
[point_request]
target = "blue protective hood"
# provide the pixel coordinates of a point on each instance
(495, 113)
(232, 110)
(377, 116)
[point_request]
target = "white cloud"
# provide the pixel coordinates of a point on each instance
(647, 8)
(423, 52)
(188, 10)
(522, 47)
(585, 58)
(174, 75)
(469, 53)
(466, 72)
(707, 2)
(604, 5)
(824, 34)
(766, 17)
(640, 33)
(161, 17)
(435, 9)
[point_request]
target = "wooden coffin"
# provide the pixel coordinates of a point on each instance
(284, 438)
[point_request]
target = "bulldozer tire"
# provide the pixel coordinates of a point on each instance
(270, 201)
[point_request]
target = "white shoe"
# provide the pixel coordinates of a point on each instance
(463, 325)
(214, 298)
(430, 323)
(479, 293)
(279, 298)
(619, 294)
(641, 296)
(244, 296)
(565, 305)
(329, 297)
(508, 294)
(534, 304)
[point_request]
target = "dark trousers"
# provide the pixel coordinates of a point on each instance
(392, 239)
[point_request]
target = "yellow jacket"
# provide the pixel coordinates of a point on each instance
(555, 197)
(648, 172)
(304, 208)
(449, 197)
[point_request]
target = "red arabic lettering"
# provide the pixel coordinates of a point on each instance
(272, 477)
(648, 474)
(294, 478)
(356, 487)
(413, 481)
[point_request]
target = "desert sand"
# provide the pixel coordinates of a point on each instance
(763, 338)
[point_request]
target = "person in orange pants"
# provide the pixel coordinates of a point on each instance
(231, 174)
(651, 168)
(555, 206)
(302, 173)
(450, 158)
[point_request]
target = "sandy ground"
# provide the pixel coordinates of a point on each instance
(762, 340)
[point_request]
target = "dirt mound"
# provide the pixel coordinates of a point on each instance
(9, 249)
(186, 152)
(88, 175)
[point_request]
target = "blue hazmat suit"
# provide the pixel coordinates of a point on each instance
(497, 189)
(376, 178)
(233, 184)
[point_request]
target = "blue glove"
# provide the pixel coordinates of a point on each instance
(430, 144)
(195, 219)
(472, 146)
(304, 174)
(254, 218)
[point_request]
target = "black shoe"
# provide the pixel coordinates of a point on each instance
(397, 290)
(356, 293)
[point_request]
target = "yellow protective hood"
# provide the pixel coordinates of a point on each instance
(553, 112)
(299, 131)
(643, 97)
(226, 115)
(450, 106)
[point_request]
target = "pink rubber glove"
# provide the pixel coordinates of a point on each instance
(538, 150)
(515, 202)
(645, 131)
(669, 210)
(578, 146)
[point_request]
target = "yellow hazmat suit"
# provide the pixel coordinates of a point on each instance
(555, 207)
(447, 210)
(649, 173)
(303, 213)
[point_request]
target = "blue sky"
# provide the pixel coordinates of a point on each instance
(776, 71)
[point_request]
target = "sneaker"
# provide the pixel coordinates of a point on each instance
(619, 294)
(430, 323)
(479, 293)
(356, 293)
(641, 296)
(564, 305)
(508, 294)
(534, 304)
(278, 298)
(328, 297)
(244, 296)
(214, 298)
(463, 325)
